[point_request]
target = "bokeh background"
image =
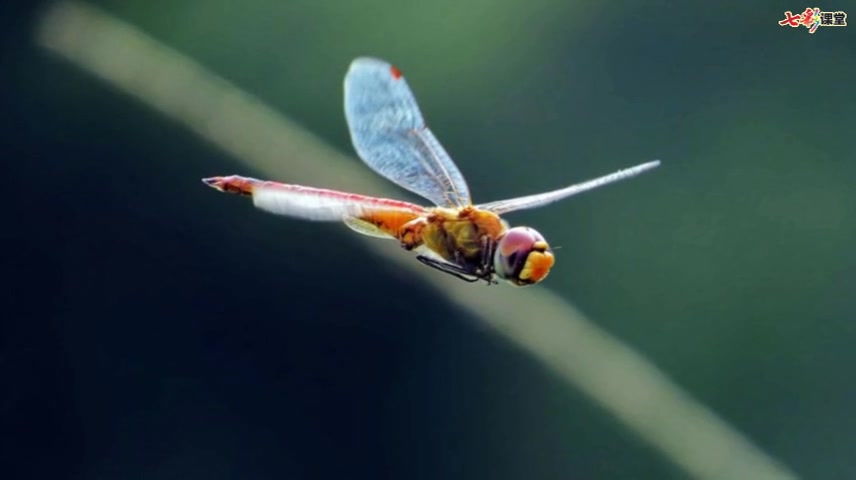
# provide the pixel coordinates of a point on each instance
(153, 329)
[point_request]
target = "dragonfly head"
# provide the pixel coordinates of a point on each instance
(522, 256)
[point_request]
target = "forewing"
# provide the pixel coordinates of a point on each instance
(323, 205)
(365, 228)
(532, 201)
(389, 134)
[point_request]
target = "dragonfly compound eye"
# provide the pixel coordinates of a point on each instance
(522, 256)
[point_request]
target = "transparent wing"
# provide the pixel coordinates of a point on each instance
(389, 134)
(532, 201)
(365, 228)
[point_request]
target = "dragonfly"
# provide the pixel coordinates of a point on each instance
(388, 131)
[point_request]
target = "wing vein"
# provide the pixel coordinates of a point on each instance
(443, 176)
(390, 135)
(540, 199)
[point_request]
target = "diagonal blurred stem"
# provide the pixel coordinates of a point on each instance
(612, 374)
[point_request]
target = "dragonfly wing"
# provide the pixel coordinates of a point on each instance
(389, 134)
(365, 228)
(532, 201)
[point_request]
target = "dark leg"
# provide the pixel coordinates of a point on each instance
(488, 247)
(449, 268)
(486, 269)
(456, 271)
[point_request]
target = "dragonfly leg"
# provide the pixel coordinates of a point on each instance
(487, 248)
(449, 268)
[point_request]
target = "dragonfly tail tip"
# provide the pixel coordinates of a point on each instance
(232, 184)
(214, 182)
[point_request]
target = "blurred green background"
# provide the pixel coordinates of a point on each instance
(153, 329)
